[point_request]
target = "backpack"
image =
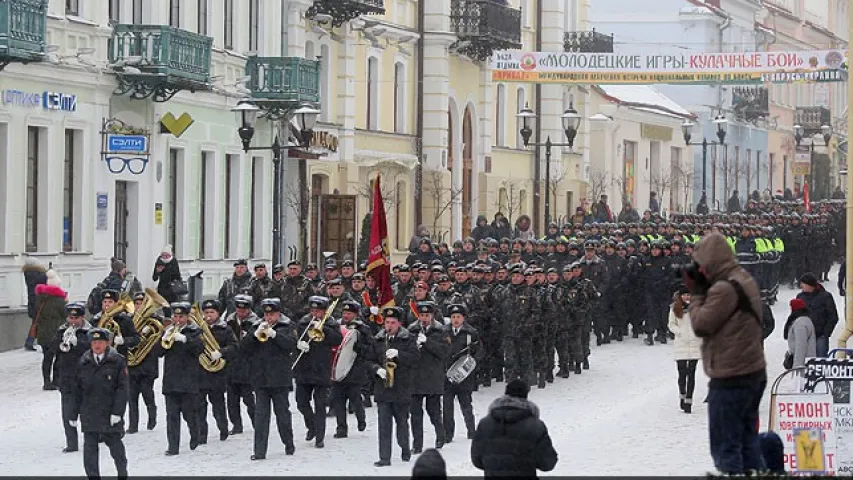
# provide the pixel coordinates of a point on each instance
(765, 319)
(93, 302)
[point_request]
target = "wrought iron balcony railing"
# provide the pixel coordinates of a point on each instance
(750, 103)
(283, 82)
(587, 42)
(181, 55)
(23, 24)
(343, 11)
(812, 118)
(484, 26)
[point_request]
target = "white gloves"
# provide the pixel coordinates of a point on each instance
(114, 419)
(118, 340)
(181, 338)
(303, 346)
(146, 330)
(422, 338)
(72, 423)
(382, 373)
(215, 355)
(374, 310)
(271, 333)
(391, 353)
(73, 340)
(314, 324)
(168, 330)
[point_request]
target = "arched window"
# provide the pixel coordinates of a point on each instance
(502, 200)
(325, 114)
(519, 104)
(400, 217)
(399, 98)
(372, 93)
(500, 116)
(522, 203)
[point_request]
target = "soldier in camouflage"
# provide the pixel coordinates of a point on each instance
(519, 309)
(294, 291)
(238, 284)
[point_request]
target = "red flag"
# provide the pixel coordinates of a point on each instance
(806, 198)
(378, 260)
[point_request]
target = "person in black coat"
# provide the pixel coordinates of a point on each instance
(433, 342)
(128, 336)
(394, 360)
(511, 440)
(34, 275)
(70, 342)
(313, 371)
(239, 385)
(100, 398)
(181, 372)
(212, 385)
(349, 388)
(142, 376)
(166, 271)
(464, 340)
(269, 347)
(822, 310)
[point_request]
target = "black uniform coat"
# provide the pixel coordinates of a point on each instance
(404, 374)
(181, 370)
(68, 362)
(512, 441)
(469, 338)
(150, 366)
(430, 370)
(270, 361)
(315, 367)
(229, 349)
(128, 331)
(100, 391)
(363, 349)
(237, 368)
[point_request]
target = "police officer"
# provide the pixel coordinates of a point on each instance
(181, 371)
(314, 370)
(433, 343)
(349, 387)
(212, 385)
(141, 380)
(100, 398)
(237, 369)
(269, 346)
(464, 340)
(70, 343)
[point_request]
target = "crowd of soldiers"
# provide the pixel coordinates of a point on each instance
(519, 309)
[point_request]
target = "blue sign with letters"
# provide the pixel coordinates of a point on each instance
(117, 143)
(48, 100)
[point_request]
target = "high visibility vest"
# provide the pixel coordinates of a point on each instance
(780, 245)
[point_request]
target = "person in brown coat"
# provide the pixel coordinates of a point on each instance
(50, 315)
(725, 312)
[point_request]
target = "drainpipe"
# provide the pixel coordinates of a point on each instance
(537, 153)
(419, 119)
(720, 102)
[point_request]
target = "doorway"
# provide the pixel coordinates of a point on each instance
(467, 167)
(120, 226)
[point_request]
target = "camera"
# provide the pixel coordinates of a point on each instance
(690, 269)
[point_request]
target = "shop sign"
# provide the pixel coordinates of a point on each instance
(47, 100)
(656, 132)
(101, 205)
(117, 143)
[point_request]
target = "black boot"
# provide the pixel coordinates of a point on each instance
(649, 340)
(549, 375)
(366, 401)
(688, 405)
(578, 368)
(635, 333)
(541, 382)
(681, 401)
(564, 371)
(152, 418)
(586, 363)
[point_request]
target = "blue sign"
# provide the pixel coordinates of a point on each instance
(127, 143)
(48, 100)
(101, 202)
(59, 101)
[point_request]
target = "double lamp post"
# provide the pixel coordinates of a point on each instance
(687, 130)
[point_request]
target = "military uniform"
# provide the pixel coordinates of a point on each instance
(463, 341)
(239, 385)
(520, 309)
(67, 363)
(433, 344)
(350, 387)
(213, 385)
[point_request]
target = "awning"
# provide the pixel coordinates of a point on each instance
(371, 158)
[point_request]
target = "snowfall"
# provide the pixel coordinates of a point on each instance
(621, 417)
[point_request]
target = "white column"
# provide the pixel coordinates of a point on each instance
(344, 95)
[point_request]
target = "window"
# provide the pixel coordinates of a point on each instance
(254, 22)
(400, 217)
(230, 161)
(175, 13)
(171, 233)
(519, 102)
(202, 17)
(33, 134)
(68, 176)
(228, 34)
(500, 116)
(502, 200)
(372, 93)
(206, 171)
(399, 98)
(256, 206)
(137, 12)
(115, 11)
(570, 200)
(72, 7)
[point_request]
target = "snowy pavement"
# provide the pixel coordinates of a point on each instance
(619, 418)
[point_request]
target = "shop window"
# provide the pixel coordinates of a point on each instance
(205, 205)
(33, 153)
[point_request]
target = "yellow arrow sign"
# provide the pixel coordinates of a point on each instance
(175, 126)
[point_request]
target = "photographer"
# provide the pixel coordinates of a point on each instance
(725, 311)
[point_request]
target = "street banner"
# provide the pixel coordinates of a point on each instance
(812, 413)
(379, 256)
(839, 373)
(686, 68)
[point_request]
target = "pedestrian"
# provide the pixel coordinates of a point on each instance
(34, 275)
(50, 315)
(702, 206)
(654, 205)
(725, 311)
(168, 275)
(511, 440)
(430, 465)
(687, 347)
(822, 310)
(800, 334)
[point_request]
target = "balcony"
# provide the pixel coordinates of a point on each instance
(812, 118)
(484, 26)
(342, 11)
(158, 61)
(750, 103)
(587, 42)
(22, 31)
(279, 84)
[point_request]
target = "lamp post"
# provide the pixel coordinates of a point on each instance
(799, 135)
(247, 116)
(571, 121)
(687, 131)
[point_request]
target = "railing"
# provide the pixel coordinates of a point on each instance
(163, 50)
(750, 103)
(812, 118)
(587, 42)
(488, 20)
(343, 11)
(23, 24)
(285, 79)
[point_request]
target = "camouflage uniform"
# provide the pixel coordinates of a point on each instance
(519, 310)
(231, 287)
(294, 293)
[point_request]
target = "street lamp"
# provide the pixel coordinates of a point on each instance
(799, 135)
(247, 113)
(721, 124)
(571, 121)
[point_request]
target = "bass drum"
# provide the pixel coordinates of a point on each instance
(344, 355)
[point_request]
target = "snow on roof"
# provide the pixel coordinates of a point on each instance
(643, 97)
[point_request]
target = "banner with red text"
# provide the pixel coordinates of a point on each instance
(805, 411)
(680, 68)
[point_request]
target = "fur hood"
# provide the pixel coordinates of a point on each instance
(52, 290)
(508, 409)
(32, 265)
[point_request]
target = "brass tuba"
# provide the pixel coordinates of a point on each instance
(124, 304)
(148, 328)
(210, 343)
(389, 366)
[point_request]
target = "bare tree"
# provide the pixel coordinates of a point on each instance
(732, 173)
(620, 182)
(597, 184)
(389, 173)
(554, 183)
(684, 181)
(511, 205)
(443, 197)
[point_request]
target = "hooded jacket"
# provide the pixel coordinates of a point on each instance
(800, 334)
(483, 230)
(731, 338)
(50, 301)
(512, 441)
(34, 274)
(822, 310)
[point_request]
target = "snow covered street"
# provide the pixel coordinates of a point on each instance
(619, 418)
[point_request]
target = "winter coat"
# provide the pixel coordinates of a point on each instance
(315, 367)
(415, 241)
(601, 213)
(181, 370)
(113, 281)
(687, 344)
(733, 204)
(404, 375)
(469, 338)
(270, 362)
(732, 339)
(150, 365)
(524, 235)
(165, 278)
(50, 310)
(512, 441)
(127, 329)
(218, 381)
(822, 310)
(237, 368)
(34, 274)
(100, 391)
(802, 340)
(629, 216)
(363, 349)
(430, 367)
(654, 206)
(483, 230)
(232, 287)
(501, 229)
(68, 362)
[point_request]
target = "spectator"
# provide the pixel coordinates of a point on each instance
(430, 465)
(702, 206)
(842, 277)
(788, 195)
(822, 310)
(34, 275)
(511, 440)
(725, 310)
(483, 230)
(50, 298)
(524, 229)
(838, 194)
(115, 280)
(166, 272)
(800, 334)
(581, 217)
(628, 214)
(734, 203)
(773, 452)
(654, 206)
(601, 211)
(501, 227)
(415, 241)
(687, 348)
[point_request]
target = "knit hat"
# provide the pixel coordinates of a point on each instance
(167, 249)
(53, 278)
(773, 451)
(809, 279)
(517, 388)
(117, 265)
(430, 464)
(797, 304)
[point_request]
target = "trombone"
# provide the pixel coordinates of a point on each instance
(316, 334)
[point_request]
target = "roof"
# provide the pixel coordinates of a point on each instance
(643, 97)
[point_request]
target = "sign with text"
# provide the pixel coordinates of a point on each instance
(809, 446)
(839, 373)
(805, 412)
(101, 206)
(64, 102)
(687, 68)
(117, 143)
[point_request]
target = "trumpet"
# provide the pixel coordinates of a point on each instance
(316, 334)
(70, 333)
(263, 331)
(169, 337)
